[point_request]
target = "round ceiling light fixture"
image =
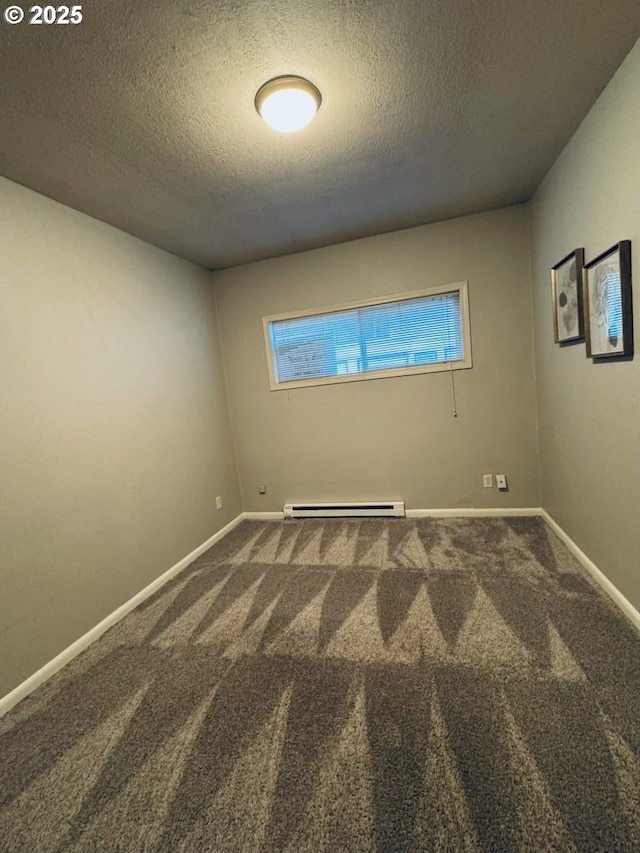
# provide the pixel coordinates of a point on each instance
(288, 103)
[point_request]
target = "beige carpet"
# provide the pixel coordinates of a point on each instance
(433, 685)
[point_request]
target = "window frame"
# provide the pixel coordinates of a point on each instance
(435, 367)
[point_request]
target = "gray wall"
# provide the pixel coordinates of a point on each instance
(115, 425)
(394, 437)
(590, 413)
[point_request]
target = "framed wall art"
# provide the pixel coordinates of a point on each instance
(607, 303)
(567, 295)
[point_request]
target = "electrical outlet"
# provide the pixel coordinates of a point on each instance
(487, 481)
(218, 502)
(262, 490)
(501, 482)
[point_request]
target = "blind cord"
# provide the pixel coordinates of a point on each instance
(453, 391)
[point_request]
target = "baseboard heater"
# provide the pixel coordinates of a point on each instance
(360, 509)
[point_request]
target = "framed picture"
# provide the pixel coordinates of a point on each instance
(566, 292)
(607, 303)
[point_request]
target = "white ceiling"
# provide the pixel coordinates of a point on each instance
(143, 114)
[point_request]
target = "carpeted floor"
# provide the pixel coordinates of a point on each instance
(430, 685)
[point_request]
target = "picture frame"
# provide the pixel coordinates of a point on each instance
(608, 306)
(567, 296)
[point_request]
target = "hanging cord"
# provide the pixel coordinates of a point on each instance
(453, 384)
(453, 391)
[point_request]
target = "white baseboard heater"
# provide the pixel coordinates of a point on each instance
(358, 509)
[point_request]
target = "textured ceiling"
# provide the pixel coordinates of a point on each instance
(143, 114)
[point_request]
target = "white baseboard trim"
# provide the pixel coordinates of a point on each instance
(44, 673)
(474, 512)
(599, 577)
(263, 516)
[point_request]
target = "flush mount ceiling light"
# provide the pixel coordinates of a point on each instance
(288, 103)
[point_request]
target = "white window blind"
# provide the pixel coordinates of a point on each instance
(406, 335)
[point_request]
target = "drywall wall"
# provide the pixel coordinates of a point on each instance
(115, 426)
(590, 412)
(393, 437)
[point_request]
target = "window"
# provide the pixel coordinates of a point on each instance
(417, 332)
